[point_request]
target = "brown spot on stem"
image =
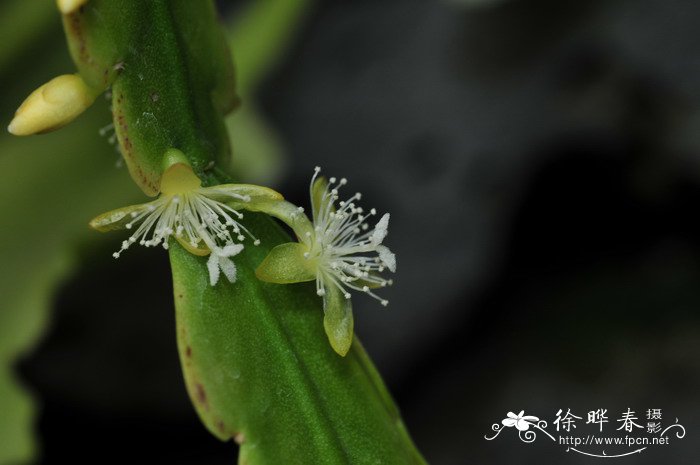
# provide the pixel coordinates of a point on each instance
(201, 395)
(220, 426)
(239, 438)
(188, 352)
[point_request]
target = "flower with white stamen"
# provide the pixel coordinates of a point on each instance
(345, 251)
(338, 250)
(204, 220)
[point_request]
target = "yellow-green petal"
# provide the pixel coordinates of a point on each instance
(317, 190)
(286, 264)
(114, 219)
(258, 196)
(201, 249)
(337, 320)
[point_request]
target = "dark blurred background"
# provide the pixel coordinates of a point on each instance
(540, 160)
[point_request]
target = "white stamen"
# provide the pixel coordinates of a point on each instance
(193, 217)
(348, 253)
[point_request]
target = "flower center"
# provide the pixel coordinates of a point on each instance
(179, 179)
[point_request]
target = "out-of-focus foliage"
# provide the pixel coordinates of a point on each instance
(53, 184)
(258, 151)
(50, 187)
(21, 22)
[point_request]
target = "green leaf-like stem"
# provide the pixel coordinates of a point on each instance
(259, 368)
(171, 75)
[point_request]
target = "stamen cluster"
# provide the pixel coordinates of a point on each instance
(194, 217)
(348, 253)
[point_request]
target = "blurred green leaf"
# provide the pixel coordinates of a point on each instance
(46, 197)
(259, 39)
(259, 156)
(51, 187)
(16, 421)
(22, 23)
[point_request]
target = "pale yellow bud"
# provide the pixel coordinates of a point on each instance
(53, 105)
(69, 6)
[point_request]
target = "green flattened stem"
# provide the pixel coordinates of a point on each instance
(259, 369)
(172, 79)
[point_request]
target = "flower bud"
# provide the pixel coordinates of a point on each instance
(53, 105)
(69, 6)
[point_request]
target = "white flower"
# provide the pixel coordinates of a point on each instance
(338, 250)
(199, 219)
(346, 252)
(204, 220)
